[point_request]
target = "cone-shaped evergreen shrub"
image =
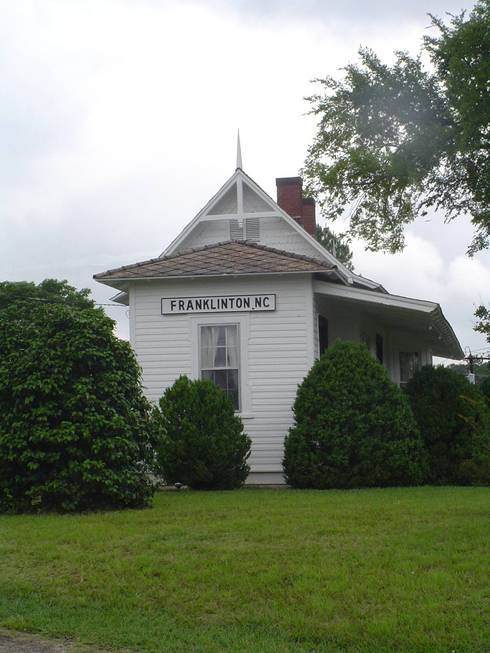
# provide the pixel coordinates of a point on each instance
(201, 442)
(353, 426)
(454, 422)
(74, 425)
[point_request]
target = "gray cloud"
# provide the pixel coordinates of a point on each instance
(348, 11)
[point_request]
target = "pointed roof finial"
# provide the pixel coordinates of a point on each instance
(238, 152)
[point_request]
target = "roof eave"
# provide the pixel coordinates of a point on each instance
(446, 338)
(231, 275)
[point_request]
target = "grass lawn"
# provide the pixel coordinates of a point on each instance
(266, 571)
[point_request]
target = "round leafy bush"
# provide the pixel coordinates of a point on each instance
(454, 422)
(201, 442)
(74, 425)
(353, 426)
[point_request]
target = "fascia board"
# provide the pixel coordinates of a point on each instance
(430, 309)
(325, 288)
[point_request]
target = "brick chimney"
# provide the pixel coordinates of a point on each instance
(290, 199)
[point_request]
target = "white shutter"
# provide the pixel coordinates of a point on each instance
(236, 230)
(252, 229)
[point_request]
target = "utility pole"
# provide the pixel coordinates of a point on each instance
(471, 359)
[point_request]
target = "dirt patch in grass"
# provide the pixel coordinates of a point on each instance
(13, 642)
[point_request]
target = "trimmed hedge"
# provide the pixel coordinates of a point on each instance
(353, 426)
(454, 421)
(201, 442)
(74, 425)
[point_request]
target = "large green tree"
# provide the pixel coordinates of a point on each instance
(74, 424)
(394, 141)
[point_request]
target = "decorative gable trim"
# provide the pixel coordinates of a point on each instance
(240, 178)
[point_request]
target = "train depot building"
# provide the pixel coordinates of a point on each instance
(245, 296)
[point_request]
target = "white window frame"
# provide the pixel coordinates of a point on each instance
(239, 361)
(240, 319)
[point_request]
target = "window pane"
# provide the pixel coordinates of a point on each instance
(232, 336)
(207, 358)
(232, 357)
(219, 358)
(232, 386)
(232, 380)
(322, 334)
(220, 379)
(379, 347)
(220, 335)
(207, 337)
(409, 364)
(233, 396)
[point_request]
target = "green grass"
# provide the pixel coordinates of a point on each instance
(267, 571)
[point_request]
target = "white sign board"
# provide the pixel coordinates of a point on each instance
(218, 304)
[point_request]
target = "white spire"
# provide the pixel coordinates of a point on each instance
(238, 152)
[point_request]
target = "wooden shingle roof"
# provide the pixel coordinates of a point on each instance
(220, 259)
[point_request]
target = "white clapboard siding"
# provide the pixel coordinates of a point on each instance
(206, 233)
(273, 232)
(279, 349)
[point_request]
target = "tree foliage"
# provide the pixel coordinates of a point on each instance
(485, 390)
(200, 440)
(335, 244)
(26, 294)
(352, 427)
(396, 140)
(74, 425)
(455, 424)
(483, 321)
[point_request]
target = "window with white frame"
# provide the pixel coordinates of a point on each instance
(409, 364)
(220, 358)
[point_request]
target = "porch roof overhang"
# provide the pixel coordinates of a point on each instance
(404, 313)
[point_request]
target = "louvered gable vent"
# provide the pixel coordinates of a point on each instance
(248, 230)
(252, 229)
(236, 230)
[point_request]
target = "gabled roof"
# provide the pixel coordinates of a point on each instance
(240, 198)
(222, 259)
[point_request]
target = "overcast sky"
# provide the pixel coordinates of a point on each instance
(118, 121)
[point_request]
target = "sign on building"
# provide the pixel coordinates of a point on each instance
(218, 304)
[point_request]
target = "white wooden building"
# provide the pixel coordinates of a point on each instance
(247, 297)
